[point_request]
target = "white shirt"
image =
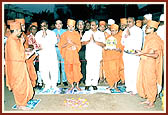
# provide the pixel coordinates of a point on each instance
(134, 41)
(48, 52)
(161, 32)
(48, 43)
(93, 51)
(108, 31)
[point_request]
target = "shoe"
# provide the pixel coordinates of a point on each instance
(40, 85)
(87, 87)
(94, 87)
(65, 83)
(58, 84)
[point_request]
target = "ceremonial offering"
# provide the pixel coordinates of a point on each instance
(111, 43)
(73, 48)
(76, 102)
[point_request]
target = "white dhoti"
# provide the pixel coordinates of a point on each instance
(48, 66)
(131, 63)
(92, 72)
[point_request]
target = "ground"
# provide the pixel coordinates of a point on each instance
(98, 103)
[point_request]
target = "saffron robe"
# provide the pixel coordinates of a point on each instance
(71, 57)
(150, 69)
(17, 77)
(112, 64)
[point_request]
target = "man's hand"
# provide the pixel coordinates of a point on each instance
(73, 47)
(119, 50)
(92, 38)
(127, 33)
(58, 36)
(138, 53)
(44, 33)
(70, 41)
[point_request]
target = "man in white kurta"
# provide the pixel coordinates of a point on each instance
(94, 41)
(48, 64)
(132, 41)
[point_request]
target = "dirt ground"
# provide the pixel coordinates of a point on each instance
(98, 103)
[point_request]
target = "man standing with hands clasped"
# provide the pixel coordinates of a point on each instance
(132, 41)
(69, 46)
(48, 64)
(94, 41)
(61, 70)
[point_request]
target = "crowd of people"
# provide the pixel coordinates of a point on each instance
(129, 53)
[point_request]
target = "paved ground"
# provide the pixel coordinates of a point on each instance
(101, 103)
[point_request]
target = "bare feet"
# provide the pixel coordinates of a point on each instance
(23, 108)
(108, 88)
(150, 105)
(71, 88)
(117, 89)
(144, 102)
(79, 89)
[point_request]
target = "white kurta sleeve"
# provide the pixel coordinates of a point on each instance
(38, 37)
(123, 38)
(138, 39)
(103, 38)
(99, 37)
(54, 38)
(86, 36)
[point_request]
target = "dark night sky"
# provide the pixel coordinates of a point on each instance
(42, 7)
(36, 7)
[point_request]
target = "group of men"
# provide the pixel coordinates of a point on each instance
(119, 52)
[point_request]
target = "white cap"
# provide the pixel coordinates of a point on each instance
(148, 16)
(162, 17)
(111, 21)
